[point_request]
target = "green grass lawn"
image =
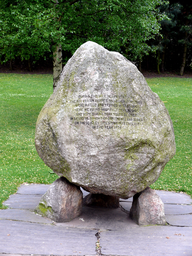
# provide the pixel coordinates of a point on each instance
(21, 99)
(177, 96)
(23, 96)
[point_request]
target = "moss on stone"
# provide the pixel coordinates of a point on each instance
(43, 210)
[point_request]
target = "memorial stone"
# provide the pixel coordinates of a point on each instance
(103, 128)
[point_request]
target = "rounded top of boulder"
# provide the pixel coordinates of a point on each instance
(103, 128)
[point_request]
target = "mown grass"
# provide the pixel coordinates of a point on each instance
(23, 96)
(21, 99)
(177, 96)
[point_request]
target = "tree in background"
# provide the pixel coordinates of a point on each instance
(168, 35)
(174, 44)
(185, 33)
(32, 28)
(21, 33)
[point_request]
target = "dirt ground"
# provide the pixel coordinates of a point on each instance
(147, 74)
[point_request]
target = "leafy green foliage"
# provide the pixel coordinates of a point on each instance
(32, 28)
(176, 35)
(25, 31)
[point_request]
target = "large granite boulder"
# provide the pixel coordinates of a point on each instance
(103, 128)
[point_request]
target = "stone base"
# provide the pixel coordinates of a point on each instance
(148, 208)
(101, 200)
(62, 202)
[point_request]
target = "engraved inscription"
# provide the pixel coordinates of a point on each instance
(105, 111)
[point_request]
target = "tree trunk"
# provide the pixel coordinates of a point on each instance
(140, 61)
(29, 65)
(158, 62)
(57, 64)
(10, 65)
(184, 60)
(163, 62)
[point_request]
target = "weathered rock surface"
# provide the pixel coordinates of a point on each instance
(62, 202)
(148, 208)
(103, 128)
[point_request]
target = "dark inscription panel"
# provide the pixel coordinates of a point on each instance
(106, 111)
